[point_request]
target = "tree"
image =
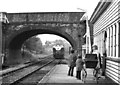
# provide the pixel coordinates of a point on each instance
(34, 44)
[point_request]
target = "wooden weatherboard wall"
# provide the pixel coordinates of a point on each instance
(109, 22)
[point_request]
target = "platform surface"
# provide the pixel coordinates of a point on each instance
(58, 75)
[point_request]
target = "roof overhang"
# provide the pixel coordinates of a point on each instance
(99, 10)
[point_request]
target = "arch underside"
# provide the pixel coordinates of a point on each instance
(15, 42)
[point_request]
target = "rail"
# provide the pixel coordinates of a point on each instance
(21, 76)
(27, 65)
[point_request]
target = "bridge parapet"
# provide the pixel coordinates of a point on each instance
(61, 17)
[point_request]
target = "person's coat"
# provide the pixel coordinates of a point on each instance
(79, 64)
(72, 60)
(99, 65)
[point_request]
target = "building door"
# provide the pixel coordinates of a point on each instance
(104, 53)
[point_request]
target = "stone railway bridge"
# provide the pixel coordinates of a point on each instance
(22, 26)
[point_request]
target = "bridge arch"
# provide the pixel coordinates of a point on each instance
(16, 41)
(21, 26)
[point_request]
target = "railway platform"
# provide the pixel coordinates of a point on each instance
(58, 76)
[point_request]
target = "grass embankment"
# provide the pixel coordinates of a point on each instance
(28, 56)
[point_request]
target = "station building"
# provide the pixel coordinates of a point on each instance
(106, 35)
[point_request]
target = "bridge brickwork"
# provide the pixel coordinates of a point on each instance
(22, 26)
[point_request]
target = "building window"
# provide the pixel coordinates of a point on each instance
(109, 43)
(111, 40)
(118, 29)
(115, 39)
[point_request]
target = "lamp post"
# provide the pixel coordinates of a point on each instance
(3, 22)
(87, 34)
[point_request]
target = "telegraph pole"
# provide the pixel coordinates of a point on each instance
(0, 40)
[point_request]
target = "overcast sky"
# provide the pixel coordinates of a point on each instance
(49, 37)
(16, 6)
(47, 5)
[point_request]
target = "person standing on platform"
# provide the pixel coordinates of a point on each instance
(79, 67)
(71, 62)
(99, 64)
(95, 51)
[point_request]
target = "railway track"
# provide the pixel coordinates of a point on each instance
(26, 65)
(30, 73)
